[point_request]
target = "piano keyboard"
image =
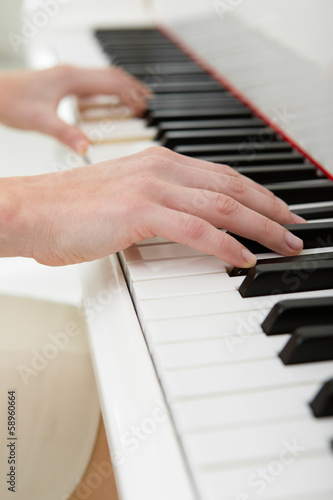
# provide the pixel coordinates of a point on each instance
(245, 358)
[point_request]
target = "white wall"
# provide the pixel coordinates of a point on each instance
(304, 25)
(9, 22)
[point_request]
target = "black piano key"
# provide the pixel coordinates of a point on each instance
(287, 315)
(204, 103)
(212, 139)
(185, 87)
(142, 70)
(252, 158)
(232, 147)
(309, 344)
(194, 114)
(312, 213)
(196, 97)
(277, 173)
(191, 96)
(164, 127)
(239, 271)
(188, 105)
(146, 51)
(167, 58)
(303, 191)
(116, 32)
(313, 234)
(142, 38)
(130, 39)
(273, 279)
(110, 43)
(322, 404)
(181, 79)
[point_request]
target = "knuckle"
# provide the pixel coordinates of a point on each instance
(278, 210)
(236, 185)
(154, 163)
(158, 151)
(194, 228)
(231, 171)
(149, 163)
(266, 227)
(227, 206)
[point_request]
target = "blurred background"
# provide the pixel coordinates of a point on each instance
(28, 153)
(10, 21)
(304, 25)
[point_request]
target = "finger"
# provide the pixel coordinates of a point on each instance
(225, 169)
(68, 134)
(225, 212)
(206, 165)
(234, 187)
(189, 230)
(111, 81)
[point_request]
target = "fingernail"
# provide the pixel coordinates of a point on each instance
(249, 257)
(293, 241)
(81, 146)
(298, 219)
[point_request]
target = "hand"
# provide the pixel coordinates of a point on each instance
(29, 99)
(90, 212)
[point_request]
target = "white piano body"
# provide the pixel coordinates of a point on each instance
(160, 441)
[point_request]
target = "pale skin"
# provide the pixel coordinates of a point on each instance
(89, 212)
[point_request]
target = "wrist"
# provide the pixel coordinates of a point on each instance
(16, 218)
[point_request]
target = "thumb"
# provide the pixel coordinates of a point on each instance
(70, 135)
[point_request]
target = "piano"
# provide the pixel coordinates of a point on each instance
(215, 383)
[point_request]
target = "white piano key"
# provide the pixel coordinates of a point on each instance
(229, 447)
(97, 100)
(158, 252)
(240, 325)
(295, 480)
(118, 130)
(217, 351)
(105, 113)
(311, 205)
(152, 241)
(185, 285)
(250, 375)
(215, 303)
(210, 303)
(251, 407)
(308, 251)
(144, 270)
